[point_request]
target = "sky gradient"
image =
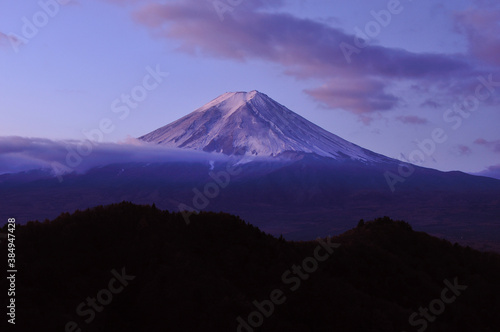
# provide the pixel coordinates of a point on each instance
(385, 75)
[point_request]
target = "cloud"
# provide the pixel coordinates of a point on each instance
(21, 154)
(463, 150)
(307, 49)
(360, 97)
(4, 39)
(493, 145)
(127, 2)
(482, 31)
(9, 40)
(430, 103)
(491, 171)
(412, 119)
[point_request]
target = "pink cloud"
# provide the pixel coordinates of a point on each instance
(412, 119)
(307, 49)
(491, 171)
(481, 141)
(358, 96)
(481, 28)
(4, 39)
(493, 145)
(464, 150)
(8, 40)
(127, 2)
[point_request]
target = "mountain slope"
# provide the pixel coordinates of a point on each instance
(203, 276)
(254, 124)
(301, 199)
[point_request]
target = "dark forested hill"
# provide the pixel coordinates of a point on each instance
(126, 267)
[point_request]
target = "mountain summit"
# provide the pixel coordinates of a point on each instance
(251, 123)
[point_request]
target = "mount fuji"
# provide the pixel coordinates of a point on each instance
(292, 178)
(251, 123)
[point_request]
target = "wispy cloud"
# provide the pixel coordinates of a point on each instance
(22, 153)
(412, 119)
(127, 2)
(358, 96)
(491, 171)
(482, 31)
(4, 39)
(308, 49)
(430, 103)
(493, 145)
(463, 150)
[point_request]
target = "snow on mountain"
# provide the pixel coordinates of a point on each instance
(251, 123)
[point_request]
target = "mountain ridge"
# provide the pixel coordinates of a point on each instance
(219, 265)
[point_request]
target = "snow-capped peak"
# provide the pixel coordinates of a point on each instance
(229, 102)
(251, 123)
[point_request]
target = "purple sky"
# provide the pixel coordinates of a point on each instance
(382, 74)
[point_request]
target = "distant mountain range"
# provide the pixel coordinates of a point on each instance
(279, 171)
